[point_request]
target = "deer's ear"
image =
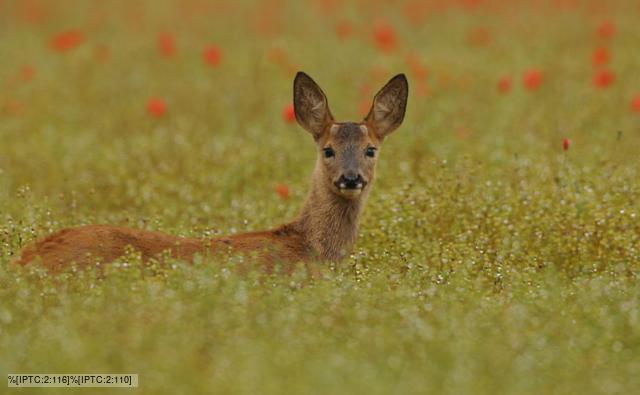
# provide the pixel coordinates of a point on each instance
(389, 105)
(310, 105)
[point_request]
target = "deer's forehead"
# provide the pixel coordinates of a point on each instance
(349, 133)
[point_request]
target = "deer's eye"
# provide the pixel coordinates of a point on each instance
(370, 152)
(329, 153)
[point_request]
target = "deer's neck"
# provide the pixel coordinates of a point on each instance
(329, 222)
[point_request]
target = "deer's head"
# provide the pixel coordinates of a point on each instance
(348, 151)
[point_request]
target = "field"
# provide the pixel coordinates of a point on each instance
(499, 252)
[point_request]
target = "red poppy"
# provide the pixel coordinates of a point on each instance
(471, 4)
(328, 7)
(33, 12)
(606, 29)
(14, 107)
(277, 55)
(282, 190)
(565, 143)
(212, 55)
(288, 113)
(462, 132)
(635, 103)
(601, 56)
(385, 37)
(102, 52)
(604, 78)
(156, 107)
(27, 73)
(421, 89)
(378, 72)
(416, 11)
(479, 37)
(363, 107)
(532, 79)
(344, 29)
(504, 84)
(66, 40)
(418, 69)
(166, 44)
(365, 89)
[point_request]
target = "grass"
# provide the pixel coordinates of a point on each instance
(489, 260)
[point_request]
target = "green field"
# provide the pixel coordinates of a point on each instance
(490, 259)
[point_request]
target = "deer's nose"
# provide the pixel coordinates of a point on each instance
(350, 181)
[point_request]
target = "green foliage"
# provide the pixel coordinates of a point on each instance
(489, 259)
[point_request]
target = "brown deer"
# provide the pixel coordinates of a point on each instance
(325, 229)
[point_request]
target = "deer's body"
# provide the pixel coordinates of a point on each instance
(326, 228)
(105, 243)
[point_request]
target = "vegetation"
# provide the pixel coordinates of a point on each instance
(499, 251)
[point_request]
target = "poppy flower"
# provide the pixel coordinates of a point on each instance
(277, 55)
(479, 37)
(282, 190)
(471, 4)
(421, 89)
(27, 73)
(416, 11)
(212, 55)
(166, 44)
(344, 30)
(328, 7)
(102, 53)
(532, 79)
(601, 56)
(603, 79)
(417, 68)
(156, 107)
(504, 84)
(385, 37)
(14, 107)
(365, 89)
(364, 106)
(288, 113)
(66, 40)
(32, 12)
(462, 132)
(635, 103)
(607, 29)
(565, 144)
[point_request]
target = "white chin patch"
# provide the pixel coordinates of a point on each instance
(344, 186)
(350, 192)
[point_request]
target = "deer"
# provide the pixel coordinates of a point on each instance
(326, 227)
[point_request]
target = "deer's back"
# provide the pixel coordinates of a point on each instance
(87, 244)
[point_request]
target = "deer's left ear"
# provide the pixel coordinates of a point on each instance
(389, 105)
(310, 105)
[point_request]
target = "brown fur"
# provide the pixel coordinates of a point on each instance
(325, 230)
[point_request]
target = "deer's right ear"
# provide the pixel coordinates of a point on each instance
(389, 105)
(310, 105)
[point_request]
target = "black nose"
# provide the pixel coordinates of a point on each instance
(350, 181)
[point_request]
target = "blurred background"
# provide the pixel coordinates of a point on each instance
(129, 104)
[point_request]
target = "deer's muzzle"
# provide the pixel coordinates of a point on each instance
(350, 182)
